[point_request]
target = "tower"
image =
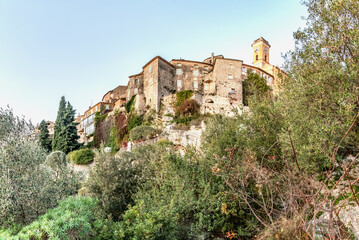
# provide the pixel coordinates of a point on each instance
(260, 52)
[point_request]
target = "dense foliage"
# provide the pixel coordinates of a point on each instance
(82, 156)
(321, 97)
(44, 137)
(129, 104)
(112, 181)
(74, 218)
(142, 132)
(30, 183)
(183, 95)
(254, 87)
(134, 121)
(189, 107)
(65, 132)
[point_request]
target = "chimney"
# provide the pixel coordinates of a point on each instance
(212, 58)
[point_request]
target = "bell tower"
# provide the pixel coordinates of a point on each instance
(260, 52)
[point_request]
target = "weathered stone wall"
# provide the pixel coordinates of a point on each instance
(150, 84)
(188, 76)
(135, 85)
(166, 85)
(228, 79)
(185, 138)
(219, 105)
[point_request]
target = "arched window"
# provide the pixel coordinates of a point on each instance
(256, 57)
(265, 57)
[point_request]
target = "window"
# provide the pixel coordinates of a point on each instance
(244, 70)
(269, 80)
(179, 71)
(107, 107)
(195, 73)
(150, 80)
(179, 83)
(111, 96)
(135, 90)
(230, 66)
(230, 76)
(136, 81)
(256, 57)
(195, 84)
(195, 66)
(233, 90)
(179, 64)
(206, 86)
(206, 68)
(265, 57)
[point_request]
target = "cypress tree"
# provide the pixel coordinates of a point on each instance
(65, 132)
(44, 137)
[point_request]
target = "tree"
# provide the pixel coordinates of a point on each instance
(65, 132)
(320, 99)
(28, 186)
(113, 180)
(254, 87)
(44, 137)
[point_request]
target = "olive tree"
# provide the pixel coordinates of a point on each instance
(28, 186)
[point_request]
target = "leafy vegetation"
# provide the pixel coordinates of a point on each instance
(44, 137)
(134, 121)
(254, 87)
(112, 181)
(30, 182)
(82, 156)
(129, 104)
(74, 218)
(65, 132)
(142, 132)
(183, 95)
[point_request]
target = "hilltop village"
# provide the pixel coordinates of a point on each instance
(216, 83)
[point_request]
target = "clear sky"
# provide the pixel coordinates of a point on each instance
(84, 48)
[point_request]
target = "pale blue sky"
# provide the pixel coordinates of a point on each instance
(82, 49)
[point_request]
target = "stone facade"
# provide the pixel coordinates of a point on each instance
(216, 83)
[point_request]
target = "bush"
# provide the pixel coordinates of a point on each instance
(189, 107)
(74, 218)
(29, 183)
(113, 180)
(183, 95)
(82, 156)
(142, 132)
(134, 121)
(129, 104)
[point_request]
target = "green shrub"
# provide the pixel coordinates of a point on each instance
(30, 183)
(74, 218)
(113, 180)
(82, 156)
(129, 104)
(183, 95)
(99, 117)
(134, 121)
(142, 132)
(189, 107)
(254, 86)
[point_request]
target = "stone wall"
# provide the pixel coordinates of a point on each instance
(166, 85)
(135, 85)
(228, 79)
(190, 72)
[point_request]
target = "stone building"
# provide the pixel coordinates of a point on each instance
(216, 83)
